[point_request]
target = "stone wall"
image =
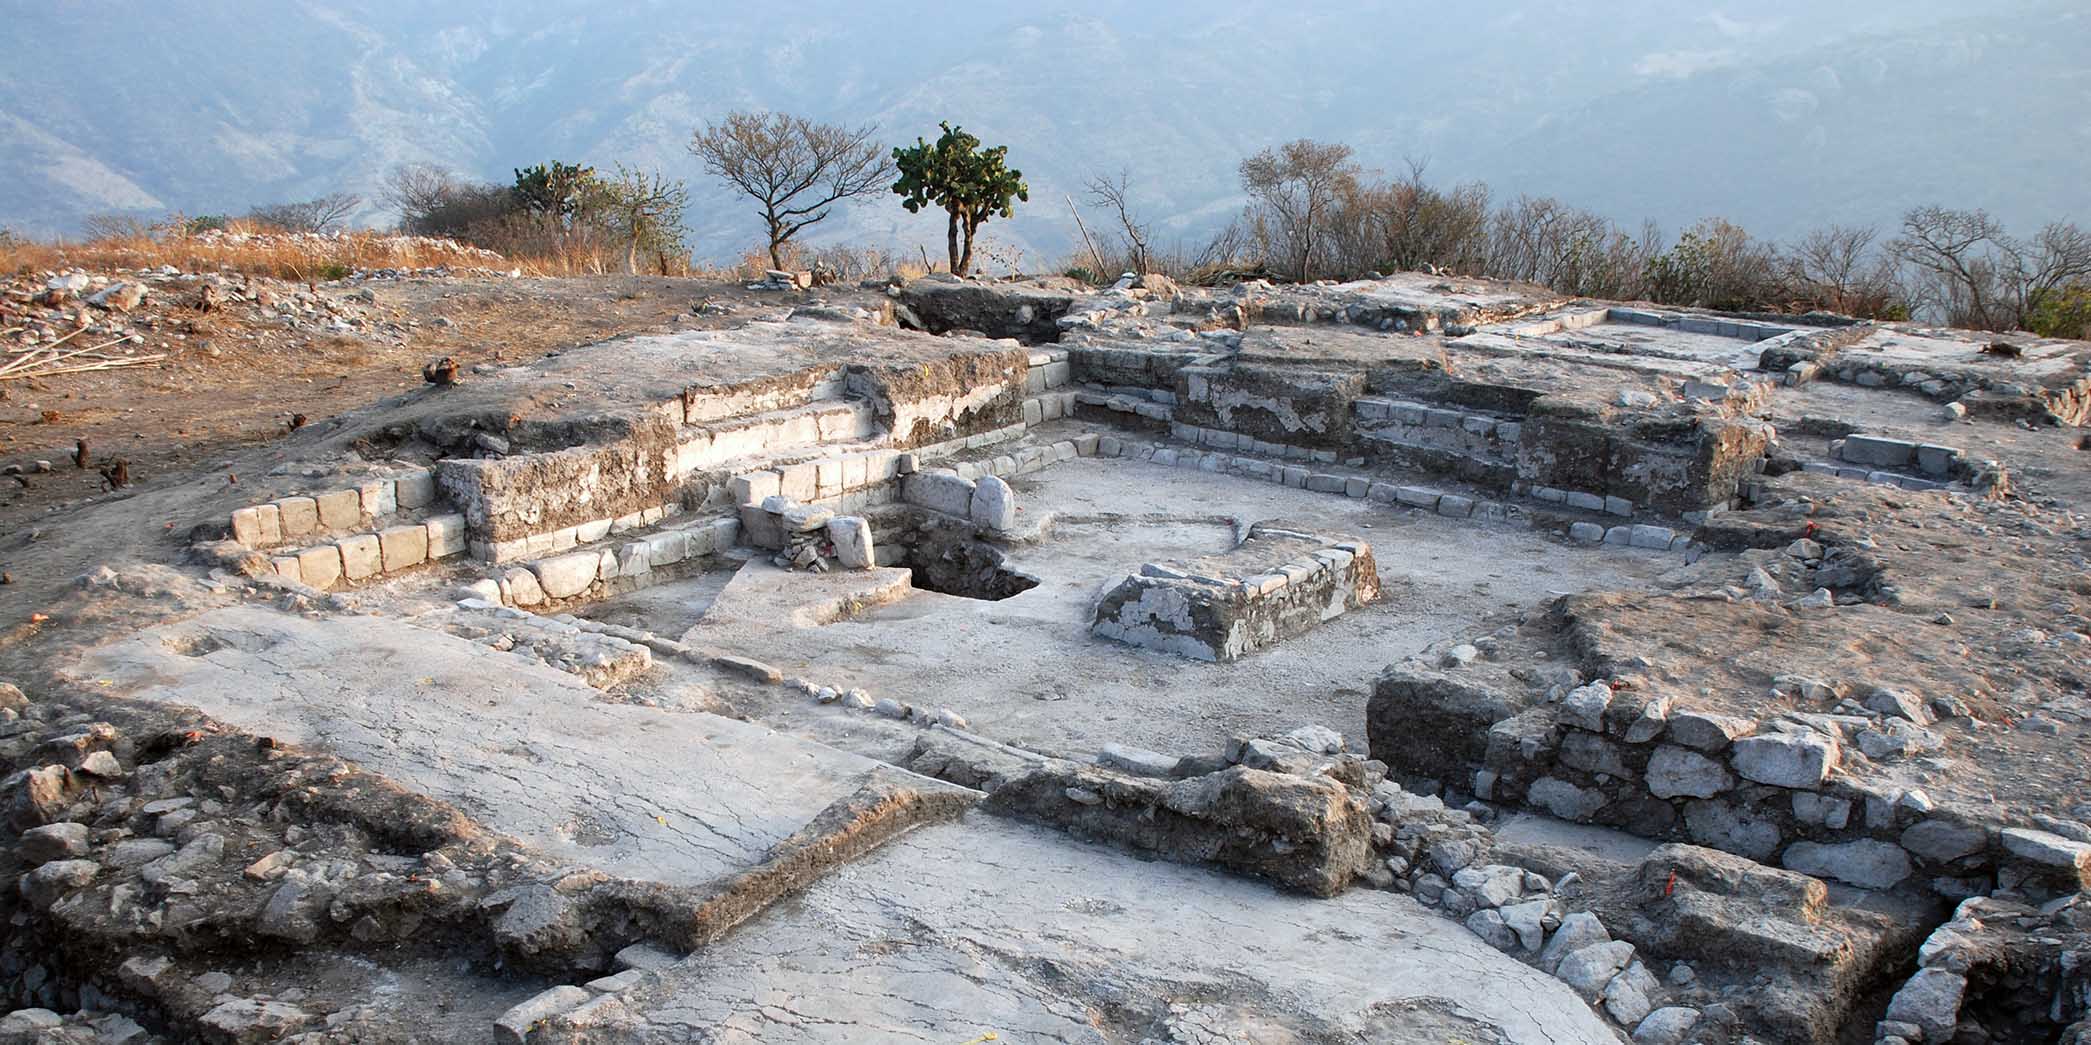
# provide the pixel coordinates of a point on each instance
(1770, 791)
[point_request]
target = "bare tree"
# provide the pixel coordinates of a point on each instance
(1954, 254)
(795, 168)
(1111, 195)
(415, 189)
(319, 215)
(1295, 189)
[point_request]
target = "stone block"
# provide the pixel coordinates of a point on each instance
(993, 504)
(339, 510)
(1878, 451)
(752, 487)
(1619, 506)
(1796, 760)
(800, 482)
(1580, 499)
(361, 556)
(1655, 537)
(851, 536)
(666, 548)
(519, 587)
(1454, 506)
(298, 516)
(1322, 482)
(565, 576)
(286, 567)
(1866, 863)
(446, 536)
(724, 532)
(1937, 461)
(1586, 532)
(827, 478)
(1418, 496)
(380, 497)
(403, 546)
(320, 567)
(1674, 772)
(414, 490)
(940, 492)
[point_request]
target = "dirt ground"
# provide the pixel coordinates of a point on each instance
(241, 377)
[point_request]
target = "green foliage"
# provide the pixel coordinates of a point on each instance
(331, 271)
(969, 183)
(206, 223)
(2062, 312)
(557, 190)
(1082, 273)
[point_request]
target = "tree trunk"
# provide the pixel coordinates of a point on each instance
(631, 257)
(965, 261)
(958, 267)
(776, 253)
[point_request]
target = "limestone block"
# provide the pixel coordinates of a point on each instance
(298, 516)
(286, 567)
(724, 532)
(520, 588)
(565, 576)
(1706, 731)
(1786, 759)
(800, 482)
(403, 546)
(1674, 772)
(851, 535)
(446, 536)
(379, 496)
(667, 548)
(993, 504)
(258, 527)
(940, 491)
(414, 490)
(1866, 863)
(320, 567)
(361, 556)
(340, 510)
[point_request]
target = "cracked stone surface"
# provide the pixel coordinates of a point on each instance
(985, 925)
(680, 798)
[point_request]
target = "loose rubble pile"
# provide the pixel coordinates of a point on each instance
(1495, 666)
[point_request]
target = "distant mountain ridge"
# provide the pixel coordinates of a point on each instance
(1775, 114)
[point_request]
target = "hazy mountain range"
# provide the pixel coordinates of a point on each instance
(1779, 114)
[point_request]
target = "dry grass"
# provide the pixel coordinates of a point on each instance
(304, 257)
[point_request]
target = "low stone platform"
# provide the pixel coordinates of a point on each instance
(1278, 583)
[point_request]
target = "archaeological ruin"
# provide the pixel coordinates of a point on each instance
(1418, 659)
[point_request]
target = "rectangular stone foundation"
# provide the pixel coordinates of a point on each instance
(1279, 583)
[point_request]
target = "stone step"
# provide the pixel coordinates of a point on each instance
(703, 447)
